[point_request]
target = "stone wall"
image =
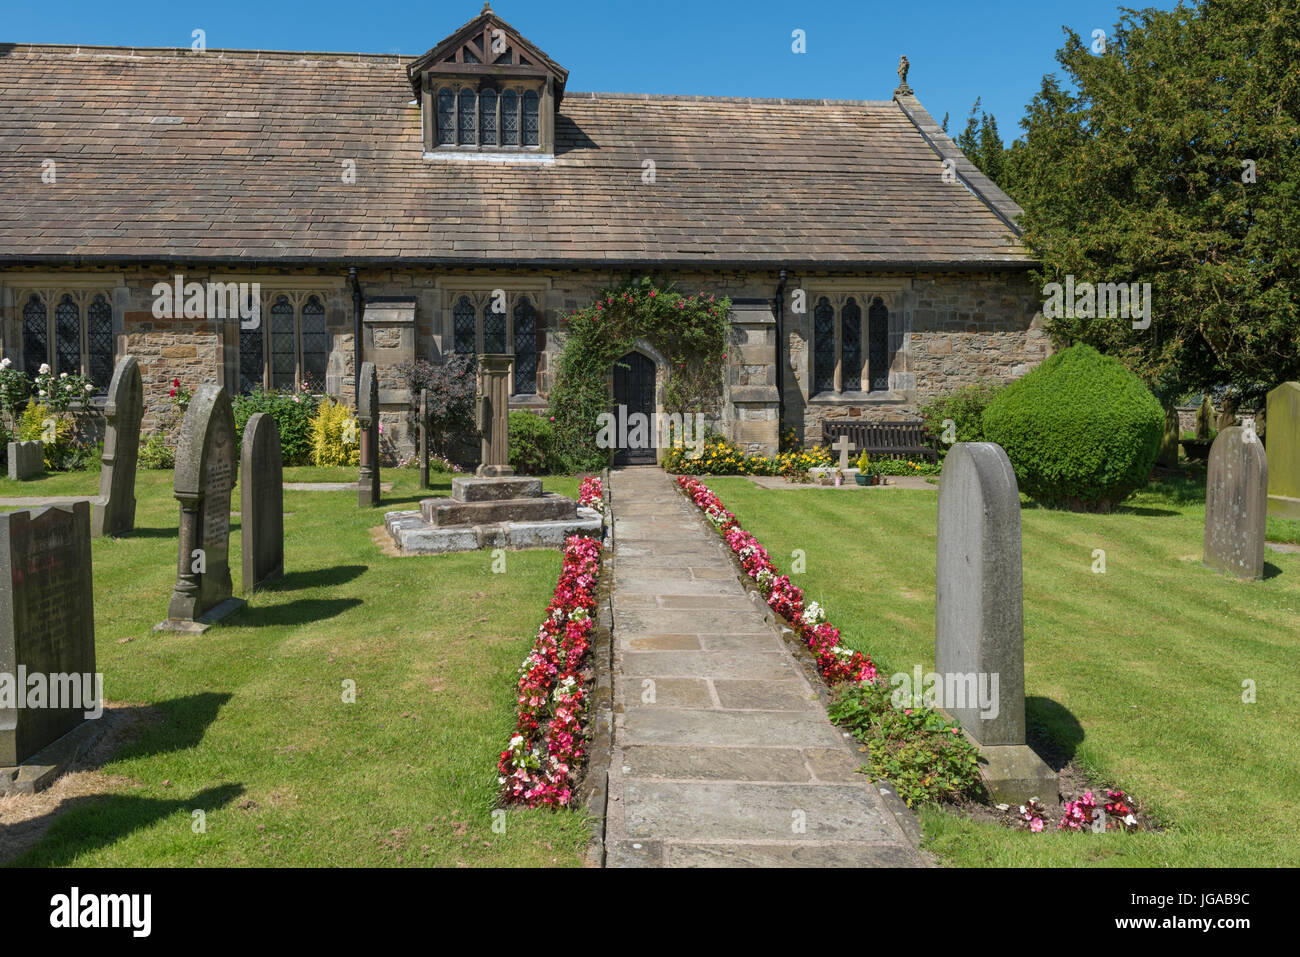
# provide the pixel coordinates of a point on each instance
(945, 330)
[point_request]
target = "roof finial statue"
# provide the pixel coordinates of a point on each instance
(487, 7)
(903, 67)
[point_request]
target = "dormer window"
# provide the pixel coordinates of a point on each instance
(487, 118)
(487, 93)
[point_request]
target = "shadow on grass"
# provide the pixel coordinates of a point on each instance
(1052, 731)
(300, 612)
(178, 724)
(84, 824)
(319, 578)
(150, 533)
(1271, 571)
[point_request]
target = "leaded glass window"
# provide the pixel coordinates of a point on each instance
(878, 346)
(36, 333)
(525, 347)
(315, 342)
(446, 117)
(282, 351)
(463, 328)
(250, 359)
(99, 341)
(67, 336)
(851, 345)
(509, 118)
(465, 112)
(487, 118)
(824, 346)
(530, 118)
(494, 329)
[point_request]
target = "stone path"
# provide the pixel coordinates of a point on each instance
(722, 753)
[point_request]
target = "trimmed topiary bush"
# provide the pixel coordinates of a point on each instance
(1081, 430)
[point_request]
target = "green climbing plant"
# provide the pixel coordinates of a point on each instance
(690, 331)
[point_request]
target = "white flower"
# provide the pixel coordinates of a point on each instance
(63, 375)
(89, 387)
(45, 368)
(1130, 820)
(813, 614)
(41, 393)
(6, 362)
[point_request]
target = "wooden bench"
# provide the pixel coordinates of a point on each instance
(894, 439)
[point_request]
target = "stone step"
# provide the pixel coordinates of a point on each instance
(472, 489)
(443, 513)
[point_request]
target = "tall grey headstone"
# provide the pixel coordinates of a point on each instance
(261, 499)
(1236, 504)
(979, 637)
(114, 511)
(204, 478)
(26, 460)
(47, 622)
(368, 423)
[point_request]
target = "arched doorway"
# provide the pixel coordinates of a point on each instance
(634, 410)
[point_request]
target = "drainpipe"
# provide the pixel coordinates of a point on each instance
(356, 332)
(780, 353)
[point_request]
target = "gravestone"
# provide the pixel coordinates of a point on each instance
(424, 438)
(1236, 504)
(843, 446)
(113, 513)
(26, 460)
(368, 423)
(1283, 417)
(261, 500)
(47, 624)
(978, 617)
(205, 476)
(493, 416)
(1168, 456)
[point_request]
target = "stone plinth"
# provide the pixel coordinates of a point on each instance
(493, 414)
(494, 489)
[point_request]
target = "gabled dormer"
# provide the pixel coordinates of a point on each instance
(487, 93)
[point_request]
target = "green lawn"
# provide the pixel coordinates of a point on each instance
(1137, 672)
(253, 728)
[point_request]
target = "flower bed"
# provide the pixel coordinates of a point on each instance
(541, 762)
(591, 494)
(835, 661)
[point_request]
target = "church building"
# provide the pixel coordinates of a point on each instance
(386, 207)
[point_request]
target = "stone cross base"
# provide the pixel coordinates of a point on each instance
(1013, 773)
(494, 471)
(197, 626)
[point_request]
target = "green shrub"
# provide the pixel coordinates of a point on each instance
(965, 406)
(62, 454)
(292, 412)
(1081, 431)
(532, 445)
(155, 453)
(332, 423)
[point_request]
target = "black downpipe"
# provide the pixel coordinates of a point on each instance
(780, 355)
(357, 303)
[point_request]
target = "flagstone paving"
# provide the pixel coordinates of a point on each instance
(722, 753)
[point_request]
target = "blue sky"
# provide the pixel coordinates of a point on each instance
(998, 51)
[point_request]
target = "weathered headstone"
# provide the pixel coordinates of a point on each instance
(205, 476)
(1168, 456)
(368, 423)
(261, 500)
(424, 438)
(1283, 417)
(114, 511)
(47, 626)
(1236, 504)
(493, 414)
(26, 460)
(979, 637)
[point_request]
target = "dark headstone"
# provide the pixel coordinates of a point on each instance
(114, 510)
(368, 423)
(47, 622)
(1168, 456)
(26, 460)
(261, 493)
(1236, 504)
(979, 637)
(204, 478)
(424, 438)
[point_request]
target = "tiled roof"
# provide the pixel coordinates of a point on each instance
(239, 156)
